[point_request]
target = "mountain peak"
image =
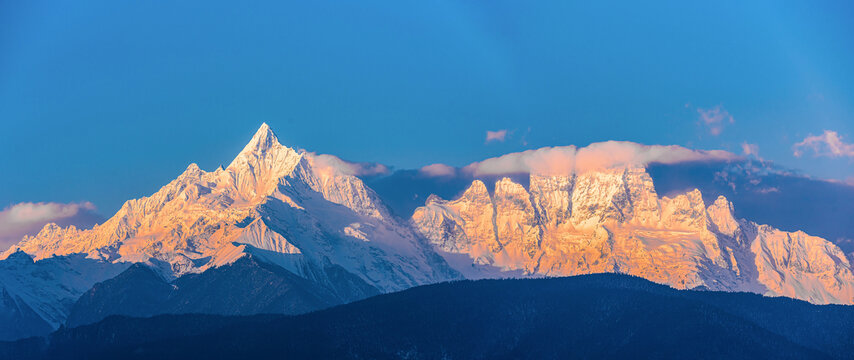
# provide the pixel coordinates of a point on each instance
(263, 140)
(263, 144)
(193, 168)
(722, 215)
(263, 161)
(434, 199)
(19, 256)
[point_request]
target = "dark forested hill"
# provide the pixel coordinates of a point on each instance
(245, 287)
(591, 316)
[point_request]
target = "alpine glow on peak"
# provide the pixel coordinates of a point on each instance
(454, 180)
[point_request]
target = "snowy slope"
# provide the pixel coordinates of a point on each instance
(47, 288)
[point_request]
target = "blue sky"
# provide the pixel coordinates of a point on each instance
(103, 101)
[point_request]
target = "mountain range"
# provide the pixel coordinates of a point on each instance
(585, 316)
(286, 231)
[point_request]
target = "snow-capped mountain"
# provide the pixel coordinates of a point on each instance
(36, 296)
(270, 197)
(613, 221)
(335, 241)
(279, 205)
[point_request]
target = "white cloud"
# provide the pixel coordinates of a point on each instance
(28, 218)
(768, 190)
(325, 161)
(750, 149)
(828, 144)
(437, 170)
(609, 154)
(498, 135)
(715, 119)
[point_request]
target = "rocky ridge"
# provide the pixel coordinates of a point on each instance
(614, 221)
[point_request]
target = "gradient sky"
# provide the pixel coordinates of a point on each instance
(103, 101)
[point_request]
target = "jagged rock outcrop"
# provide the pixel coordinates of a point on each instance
(614, 221)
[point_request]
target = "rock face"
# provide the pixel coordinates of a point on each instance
(614, 221)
